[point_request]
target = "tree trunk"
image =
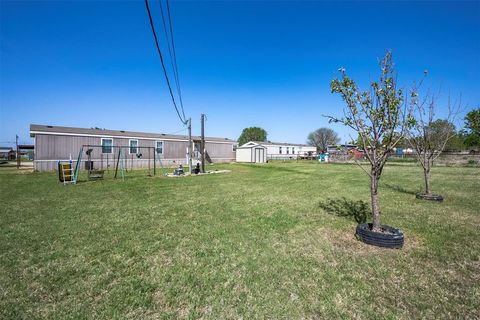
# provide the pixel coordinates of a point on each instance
(426, 174)
(375, 207)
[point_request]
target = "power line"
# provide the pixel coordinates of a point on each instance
(173, 57)
(184, 129)
(163, 64)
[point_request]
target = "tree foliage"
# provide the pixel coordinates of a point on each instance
(472, 126)
(252, 134)
(456, 142)
(322, 137)
(378, 116)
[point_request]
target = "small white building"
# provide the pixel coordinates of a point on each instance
(252, 152)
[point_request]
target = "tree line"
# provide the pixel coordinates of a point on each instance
(457, 140)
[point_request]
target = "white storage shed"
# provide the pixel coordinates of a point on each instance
(252, 152)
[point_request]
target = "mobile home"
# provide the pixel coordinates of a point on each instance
(56, 143)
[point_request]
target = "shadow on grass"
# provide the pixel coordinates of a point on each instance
(342, 207)
(399, 189)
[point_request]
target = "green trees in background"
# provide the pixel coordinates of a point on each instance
(252, 134)
(472, 128)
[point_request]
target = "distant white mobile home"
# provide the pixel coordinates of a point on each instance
(279, 150)
(274, 151)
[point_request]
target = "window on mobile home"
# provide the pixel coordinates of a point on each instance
(107, 144)
(159, 147)
(133, 144)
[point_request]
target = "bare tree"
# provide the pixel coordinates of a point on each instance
(380, 118)
(322, 137)
(428, 137)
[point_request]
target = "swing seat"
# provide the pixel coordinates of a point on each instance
(95, 174)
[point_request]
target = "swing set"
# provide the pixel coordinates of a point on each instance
(119, 159)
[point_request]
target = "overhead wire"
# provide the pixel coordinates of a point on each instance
(184, 121)
(184, 129)
(171, 50)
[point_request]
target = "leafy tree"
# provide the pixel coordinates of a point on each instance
(472, 124)
(252, 134)
(378, 116)
(456, 142)
(429, 136)
(322, 137)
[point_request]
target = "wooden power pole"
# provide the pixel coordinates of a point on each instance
(189, 150)
(202, 142)
(17, 154)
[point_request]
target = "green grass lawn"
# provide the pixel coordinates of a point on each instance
(252, 243)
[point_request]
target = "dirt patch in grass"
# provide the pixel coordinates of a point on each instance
(320, 242)
(346, 241)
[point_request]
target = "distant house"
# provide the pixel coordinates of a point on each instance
(279, 150)
(54, 143)
(251, 151)
(342, 148)
(7, 153)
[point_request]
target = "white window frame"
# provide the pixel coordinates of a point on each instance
(293, 150)
(130, 146)
(287, 150)
(279, 150)
(111, 147)
(156, 146)
(234, 147)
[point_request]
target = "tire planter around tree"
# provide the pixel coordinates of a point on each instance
(392, 238)
(431, 197)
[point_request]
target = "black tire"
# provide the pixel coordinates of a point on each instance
(393, 239)
(431, 197)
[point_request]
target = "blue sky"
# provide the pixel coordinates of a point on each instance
(243, 63)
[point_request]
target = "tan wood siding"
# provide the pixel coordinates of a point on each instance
(51, 148)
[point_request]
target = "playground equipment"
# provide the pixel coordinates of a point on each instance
(93, 174)
(100, 160)
(66, 172)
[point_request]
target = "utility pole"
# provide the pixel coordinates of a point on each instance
(202, 143)
(190, 144)
(16, 153)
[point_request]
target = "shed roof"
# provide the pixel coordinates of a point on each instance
(251, 144)
(46, 129)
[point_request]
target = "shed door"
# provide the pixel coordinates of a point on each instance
(259, 155)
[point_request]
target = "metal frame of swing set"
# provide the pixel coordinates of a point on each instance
(118, 159)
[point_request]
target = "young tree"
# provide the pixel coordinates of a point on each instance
(322, 137)
(252, 134)
(428, 137)
(472, 124)
(378, 116)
